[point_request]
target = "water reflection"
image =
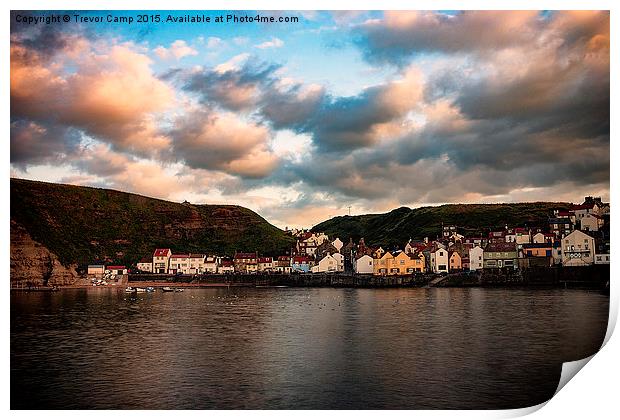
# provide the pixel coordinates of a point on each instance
(298, 348)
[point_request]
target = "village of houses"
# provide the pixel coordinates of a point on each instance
(577, 237)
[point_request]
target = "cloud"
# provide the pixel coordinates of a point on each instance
(234, 85)
(273, 43)
(402, 33)
(220, 141)
(335, 123)
(112, 94)
(214, 42)
(34, 143)
(472, 106)
(179, 49)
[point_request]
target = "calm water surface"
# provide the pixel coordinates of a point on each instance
(298, 348)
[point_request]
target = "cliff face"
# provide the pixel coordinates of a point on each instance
(81, 225)
(32, 264)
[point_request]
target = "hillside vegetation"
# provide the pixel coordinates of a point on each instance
(398, 226)
(83, 225)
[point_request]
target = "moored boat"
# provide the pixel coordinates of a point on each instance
(130, 290)
(140, 289)
(167, 289)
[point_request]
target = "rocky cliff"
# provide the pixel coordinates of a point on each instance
(33, 265)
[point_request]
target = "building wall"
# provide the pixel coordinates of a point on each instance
(146, 267)
(577, 249)
(440, 261)
(364, 265)
(476, 261)
(590, 223)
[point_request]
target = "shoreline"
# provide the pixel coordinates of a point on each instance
(159, 285)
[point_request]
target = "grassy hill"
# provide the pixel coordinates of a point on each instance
(399, 225)
(85, 225)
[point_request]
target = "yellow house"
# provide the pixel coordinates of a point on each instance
(400, 264)
(381, 266)
(455, 261)
(404, 263)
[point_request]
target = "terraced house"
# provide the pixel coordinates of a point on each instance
(179, 264)
(246, 262)
(577, 249)
(500, 255)
(161, 260)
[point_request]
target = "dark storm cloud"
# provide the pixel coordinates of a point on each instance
(38, 143)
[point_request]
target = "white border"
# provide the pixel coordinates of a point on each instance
(592, 394)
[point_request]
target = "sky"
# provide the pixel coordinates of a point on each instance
(341, 112)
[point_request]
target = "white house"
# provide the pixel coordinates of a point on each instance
(95, 270)
(584, 209)
(577, 249)
(179, 264)
(542, 238)
(439, 261)
(225, 267)
(364, 265)
(210, 264)
(145, 265)
(476, 258)
(196, 264)
(591, 222)
(328, 264)
(340, 258)
(265, 264)
(337, 243)
(522, 236)
(161, 260)
(116, 269)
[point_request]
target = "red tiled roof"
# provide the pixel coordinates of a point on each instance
(245, 255)
(179, 256)
(227, 264)
(116, 267)
(161, 252)
(146, 260)
(196, 255)
(301, 259)
(582, 206)
(265, 259)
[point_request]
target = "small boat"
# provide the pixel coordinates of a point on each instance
(130, 290)
(140, 289)
(167, 289)
(178, 290)
(150, 289)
